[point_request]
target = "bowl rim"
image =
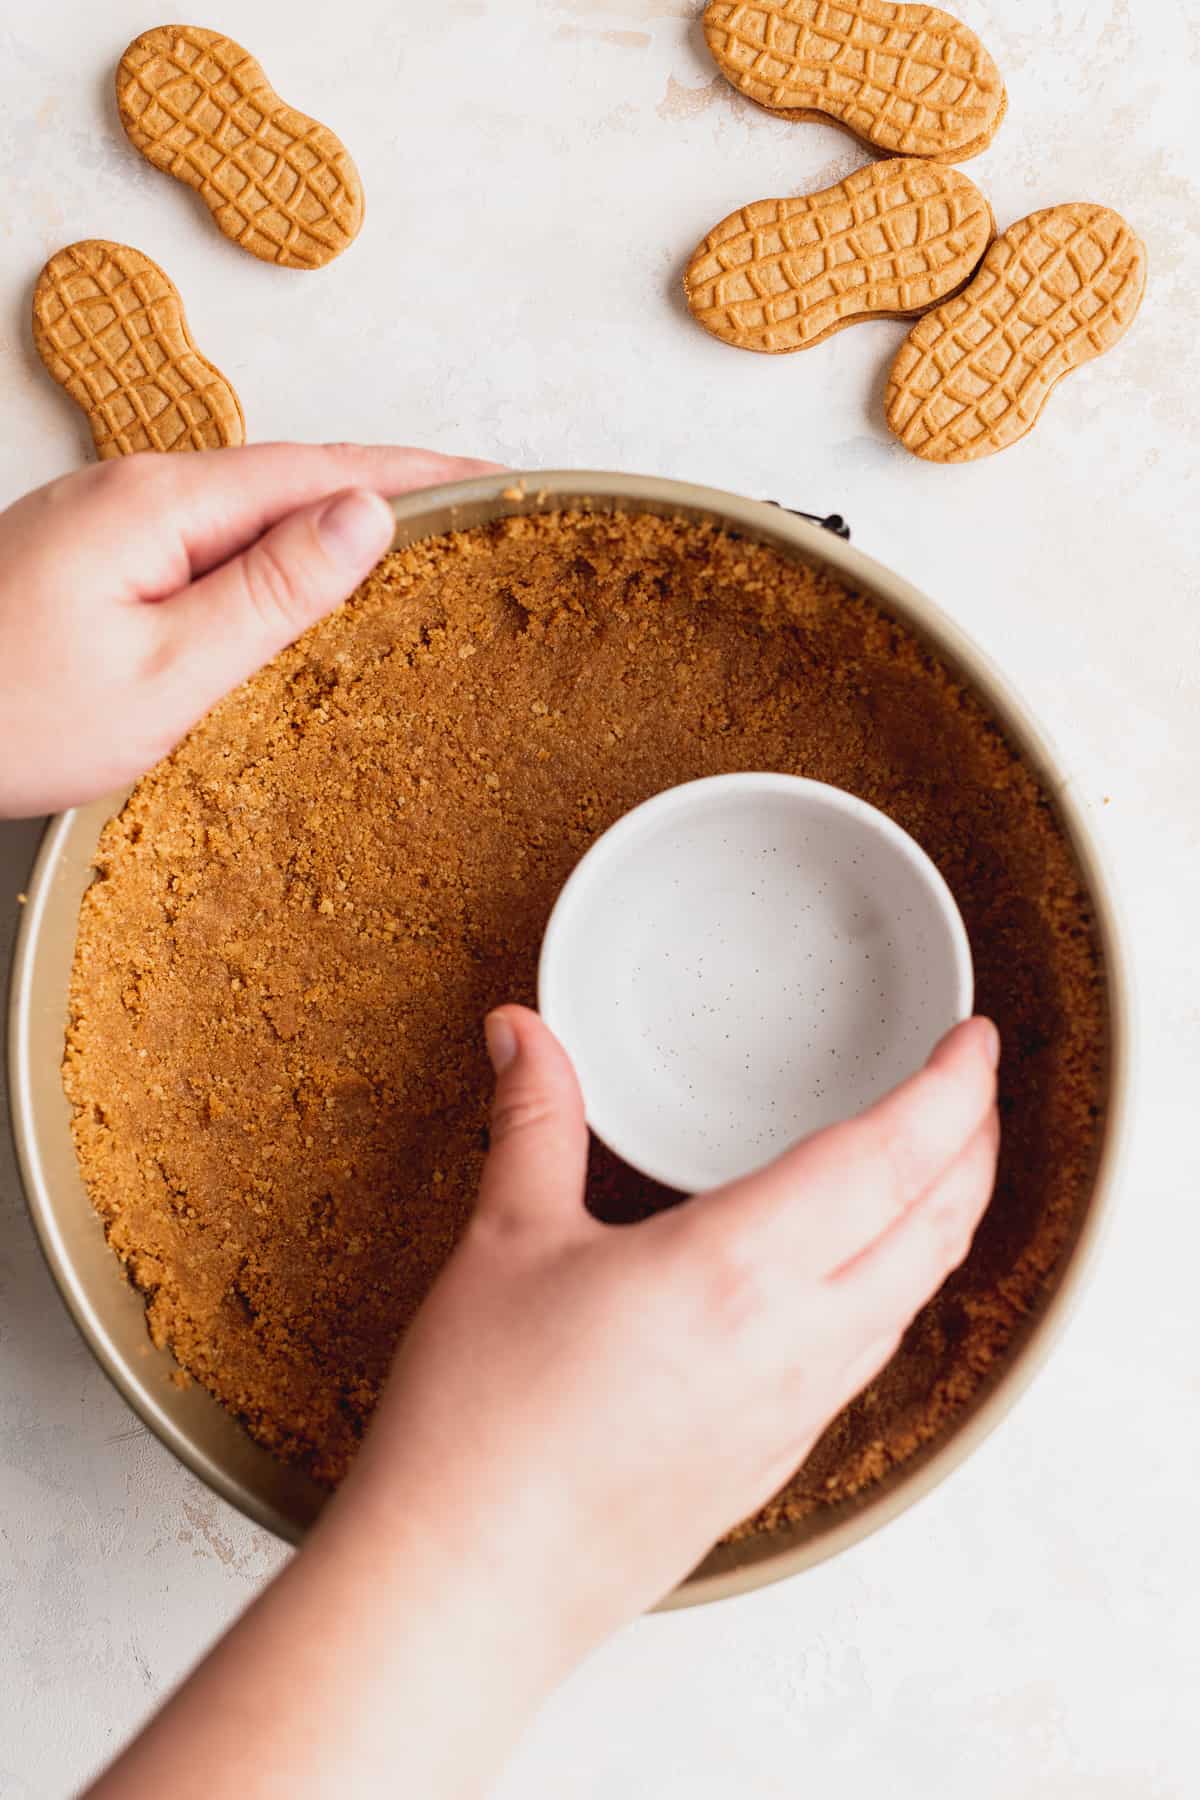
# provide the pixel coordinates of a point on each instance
(755, 1562)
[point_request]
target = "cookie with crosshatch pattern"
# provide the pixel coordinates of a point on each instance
(908, 80)
(1055, 290)
(892, 239)
(110, 327)
(277, 182)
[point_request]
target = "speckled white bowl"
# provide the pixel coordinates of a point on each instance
(743, 960)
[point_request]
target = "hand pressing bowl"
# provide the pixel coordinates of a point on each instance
(209, 1438)
(742, 961)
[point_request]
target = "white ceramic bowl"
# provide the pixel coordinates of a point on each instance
(741, 961)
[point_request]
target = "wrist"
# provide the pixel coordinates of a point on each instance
(460, 1561)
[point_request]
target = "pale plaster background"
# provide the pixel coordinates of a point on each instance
(537, 172)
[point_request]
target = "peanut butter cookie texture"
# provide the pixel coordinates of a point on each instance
(110, 327)
(891, 240)
(277, 182)
(1055, 290)
(908, 80)
(275, 1053)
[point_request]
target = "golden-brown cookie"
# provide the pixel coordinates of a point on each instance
(889, 241)
(110, 327)
(1055, 290)
(277, 182)
(909, 80)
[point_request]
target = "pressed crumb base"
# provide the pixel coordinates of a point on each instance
(300, 917)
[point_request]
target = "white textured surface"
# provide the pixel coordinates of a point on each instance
(536, 175)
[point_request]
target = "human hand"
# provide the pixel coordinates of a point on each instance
(136, 593)
(595, 1405)
(578, 1412)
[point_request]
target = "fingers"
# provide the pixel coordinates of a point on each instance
(250, 489)
(216, 503)
(536, 1165)
(267, 481)
(838, 1191)
(225, 626)
(892, 1279)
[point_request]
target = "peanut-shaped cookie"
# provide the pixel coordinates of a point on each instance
(277, 182)
(110, 327)
(908, 80)
(891, 240)
(1055, 290)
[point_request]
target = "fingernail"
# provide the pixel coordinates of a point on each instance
(356, 525)
(989, 1039)
(501, 1041)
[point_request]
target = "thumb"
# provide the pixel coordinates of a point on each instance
(539, 1142)
(232, 621)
